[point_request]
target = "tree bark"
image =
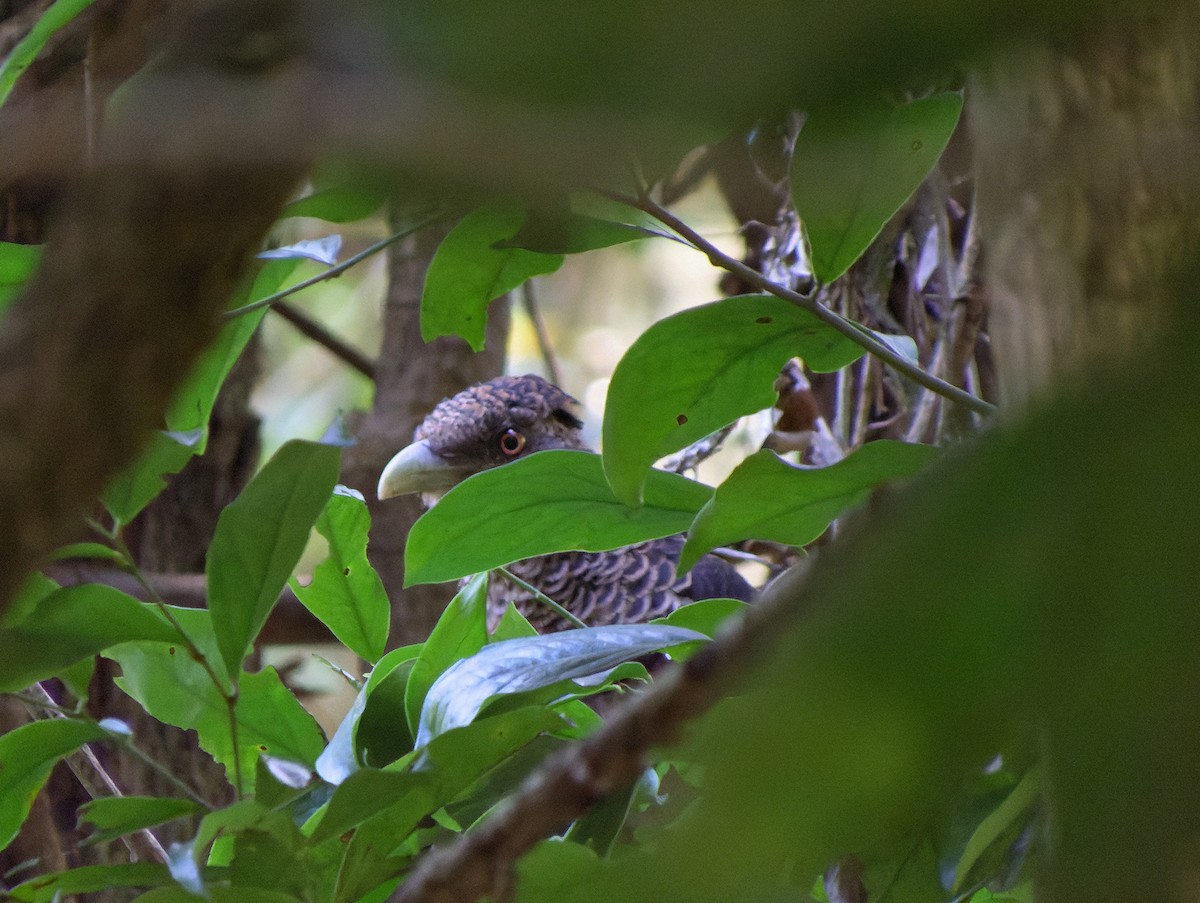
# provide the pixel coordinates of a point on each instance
(411, 377)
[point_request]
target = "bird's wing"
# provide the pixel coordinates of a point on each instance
(631, 585)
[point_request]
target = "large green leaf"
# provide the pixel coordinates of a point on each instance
(850, 175)
(518, 666)
(468, 272)
(72, 624)
(1002, 824)
(176, 689)
(259, 538)
(690, 374)
(345, 593)
(552, 501)
(344, 203)
(26, 756)
(767, 498)
(572, 233)
(460, 632)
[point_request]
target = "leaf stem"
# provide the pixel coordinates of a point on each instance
(333, 271)
(853, 331)
(541, 597)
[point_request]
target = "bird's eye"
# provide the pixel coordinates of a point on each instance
(511, 443)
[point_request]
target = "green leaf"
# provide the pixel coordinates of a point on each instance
(27, 755)
(259, 539)
(87, 550)
(450, 764)
(137, 485)
(345, 593)
(17, 264)
(690, 374)
(26, 50)
(512, 626)
(551, 501)
(90, 879)
(216, 894)
(517, 666)
(705, 616)
(767, 498)
(350, 201)
(468, 272)
(460, 632)
(381, 699)
(73, 624)
(175, 689)
(572, 233)
(114, 816)
(850, 175)
(1003, 822)
(381, 734)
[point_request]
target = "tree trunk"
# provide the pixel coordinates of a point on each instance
(410, 378)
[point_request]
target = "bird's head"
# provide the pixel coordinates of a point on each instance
(483, 426)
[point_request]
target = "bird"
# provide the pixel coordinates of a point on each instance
(492, 423)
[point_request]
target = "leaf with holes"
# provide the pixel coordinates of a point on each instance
(551, 501)
(692, 373)
(851, 174)
(345, 592)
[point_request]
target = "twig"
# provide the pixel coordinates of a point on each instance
(333, 271)
(84, 760)
(339, 348)
(480, 862)
(529, 301)
(541, 597)
(857, 334)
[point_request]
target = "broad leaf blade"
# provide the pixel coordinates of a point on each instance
(552, 501)
(345, 593)
(73, 624)
(460, 632)
(767, 498)
(259, 539)
(175, 689)
(572, 233)
(115, 816)
(850, 177)
(518, 666)
(90, 879)
(26, 756)
(468, 272)
(17, 263)
(690, 374)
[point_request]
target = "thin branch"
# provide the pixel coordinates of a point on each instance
(855, 333)
(339, 348)
(480, 862)
(529, 301)
(541, 597)
(84, 760)
(334, 271)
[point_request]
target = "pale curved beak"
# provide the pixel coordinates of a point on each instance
(418, 468)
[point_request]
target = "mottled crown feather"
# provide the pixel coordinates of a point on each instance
(486, 409)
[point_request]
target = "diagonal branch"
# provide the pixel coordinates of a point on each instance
(480, 863)
(852, 331)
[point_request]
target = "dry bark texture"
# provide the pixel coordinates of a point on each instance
(1086, 191)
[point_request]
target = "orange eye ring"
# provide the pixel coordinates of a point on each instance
(511, 443)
